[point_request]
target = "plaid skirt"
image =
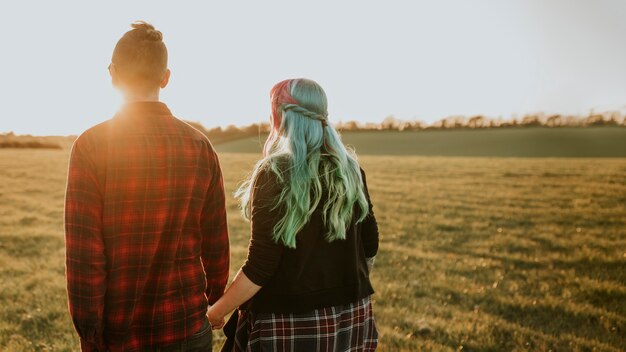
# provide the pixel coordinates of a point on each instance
(349, 327)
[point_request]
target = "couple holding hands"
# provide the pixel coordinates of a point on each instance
(147, 249)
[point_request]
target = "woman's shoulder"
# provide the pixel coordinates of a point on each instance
(276, 161)
(270, 175)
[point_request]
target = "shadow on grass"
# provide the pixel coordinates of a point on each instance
(612, 270)
(30, 246)
(611, 301)
(557, 320)
(542, 325)
(571, 316)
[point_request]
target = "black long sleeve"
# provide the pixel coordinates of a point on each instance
(263, 252)
(369, 226)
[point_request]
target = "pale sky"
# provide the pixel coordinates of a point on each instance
(413, 59)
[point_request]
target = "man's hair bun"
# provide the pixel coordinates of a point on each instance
(140, 56)
(146, 31)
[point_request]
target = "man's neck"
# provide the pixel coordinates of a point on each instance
(133, 97)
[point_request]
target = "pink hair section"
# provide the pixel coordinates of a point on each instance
(279, 96)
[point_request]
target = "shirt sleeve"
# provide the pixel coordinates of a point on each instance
(215, 246)
(85, 256)
(263, 252)
(369, 226)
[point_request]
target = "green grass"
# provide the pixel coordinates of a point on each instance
(478, 254)
(501, 142)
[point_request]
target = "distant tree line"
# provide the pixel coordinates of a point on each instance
(11, 140)
(219, 135)
(31, 144)
(390, 123)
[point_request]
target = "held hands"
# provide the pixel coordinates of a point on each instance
(217, 321)
(241, 290)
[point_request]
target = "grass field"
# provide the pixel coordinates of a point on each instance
(477, 254)
(500, 142)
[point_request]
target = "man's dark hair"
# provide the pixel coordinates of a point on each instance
(140, 56)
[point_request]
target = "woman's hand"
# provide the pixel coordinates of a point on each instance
(217, 322)
(241, 290)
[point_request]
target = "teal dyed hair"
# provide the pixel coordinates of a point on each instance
(307, 156)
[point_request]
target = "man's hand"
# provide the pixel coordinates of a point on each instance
(217, 322)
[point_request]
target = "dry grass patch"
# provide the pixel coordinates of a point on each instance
(478, 254)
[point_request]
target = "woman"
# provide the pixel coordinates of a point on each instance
(305, 284)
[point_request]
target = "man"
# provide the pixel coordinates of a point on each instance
(145, 219)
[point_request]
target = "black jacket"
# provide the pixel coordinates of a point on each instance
(315, 274)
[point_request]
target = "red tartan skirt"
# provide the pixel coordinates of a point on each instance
(349, 327)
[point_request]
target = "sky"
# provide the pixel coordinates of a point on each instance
(421, 60)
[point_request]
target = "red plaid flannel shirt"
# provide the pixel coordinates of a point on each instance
(145, 230)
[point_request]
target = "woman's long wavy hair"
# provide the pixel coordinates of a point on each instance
(307, 156)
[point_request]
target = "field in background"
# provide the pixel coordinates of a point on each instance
(500, 142)
(12, 141)
(488, 254)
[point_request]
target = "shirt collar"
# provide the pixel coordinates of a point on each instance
(145, 108)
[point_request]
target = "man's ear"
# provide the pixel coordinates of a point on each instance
(166, 78)
(113, 73)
